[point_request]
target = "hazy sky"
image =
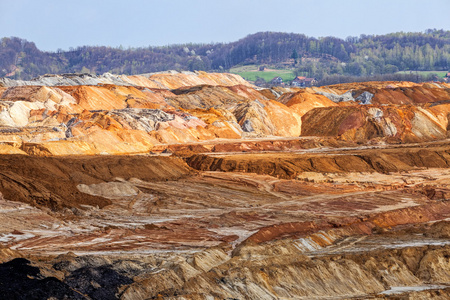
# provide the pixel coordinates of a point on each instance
(54, 24)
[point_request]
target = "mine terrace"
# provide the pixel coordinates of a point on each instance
(200, 185)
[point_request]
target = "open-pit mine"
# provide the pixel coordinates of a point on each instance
(203, 186)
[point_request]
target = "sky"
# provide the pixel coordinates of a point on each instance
(62, 24)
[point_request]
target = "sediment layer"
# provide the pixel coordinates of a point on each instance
(201, 186)
(290, 165)
(52, 182)
(110, 114)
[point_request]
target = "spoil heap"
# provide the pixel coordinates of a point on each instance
(85, 114)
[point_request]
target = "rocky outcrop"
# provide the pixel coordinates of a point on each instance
(404, 124)
(365, 98)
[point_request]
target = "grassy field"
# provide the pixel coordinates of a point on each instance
(251, 73)
(440, 74)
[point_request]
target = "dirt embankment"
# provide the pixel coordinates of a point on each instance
(290, 165)
(407, 124)
(356, 226)
(255, 146)
(52, 181)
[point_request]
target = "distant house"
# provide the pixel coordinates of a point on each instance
(301, 81)
(447, 77)
(276, 81)
(310, 81)
(298, 81)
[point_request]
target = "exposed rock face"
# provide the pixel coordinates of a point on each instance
(232, 192)
(365, 98)
(253, 114)
(403, 123)
(86, 114)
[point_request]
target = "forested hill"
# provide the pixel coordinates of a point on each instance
(358, 56)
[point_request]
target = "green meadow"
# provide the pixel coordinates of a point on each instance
(440, 74)
(251, 73)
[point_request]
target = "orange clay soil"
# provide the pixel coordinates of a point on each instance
(51, 182)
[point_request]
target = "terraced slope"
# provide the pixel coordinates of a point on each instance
(70, 114)
(200, 186)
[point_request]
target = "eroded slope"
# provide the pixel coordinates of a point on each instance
(358, 207)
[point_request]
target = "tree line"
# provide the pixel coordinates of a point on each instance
(363, 56)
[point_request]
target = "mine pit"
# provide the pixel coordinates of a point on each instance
(169, 191)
